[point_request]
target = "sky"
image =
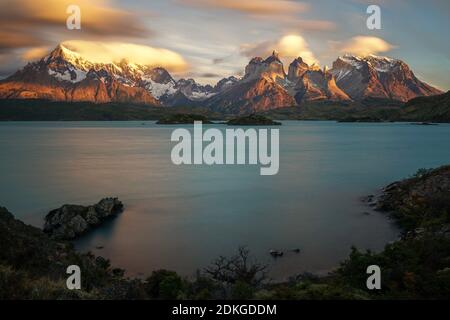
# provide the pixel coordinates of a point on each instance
(211, 39)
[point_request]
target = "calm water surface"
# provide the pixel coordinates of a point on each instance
(183, 217)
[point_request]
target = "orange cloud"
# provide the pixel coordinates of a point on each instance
(315, 25)
(28, 22)
(107, 52)
(13, 39)
(252, 7)
(364, 45)
(35, 53)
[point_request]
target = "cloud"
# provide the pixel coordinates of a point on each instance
(13, 39)
(35, 53)
(364, 45)
(106, 52)
(290, 46)
(209, 75)
(252, 7)
(315, 25)
(26, 23)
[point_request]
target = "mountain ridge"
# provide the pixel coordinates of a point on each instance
(65, 75)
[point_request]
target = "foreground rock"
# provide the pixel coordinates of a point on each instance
(33, 266)
(422, 201)
(71, 221)
(253, 120)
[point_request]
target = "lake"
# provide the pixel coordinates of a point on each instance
(183, 217)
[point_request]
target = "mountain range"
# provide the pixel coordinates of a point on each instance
(64, 75)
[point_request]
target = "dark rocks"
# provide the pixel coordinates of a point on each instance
(351, 119)
(424, 124)
(71, 221)
(420, 190)
(253, 120)
(280, 253)
(422, 201)
(276, 253)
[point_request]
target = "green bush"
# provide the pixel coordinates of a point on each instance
(164, 284)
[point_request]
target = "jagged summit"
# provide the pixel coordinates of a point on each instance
(297, 69)
(275, 57)
(271, 68)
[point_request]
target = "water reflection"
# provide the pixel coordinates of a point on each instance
(181, 218)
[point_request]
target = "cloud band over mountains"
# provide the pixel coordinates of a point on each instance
(107, 52)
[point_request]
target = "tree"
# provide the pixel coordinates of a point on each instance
(238, 268)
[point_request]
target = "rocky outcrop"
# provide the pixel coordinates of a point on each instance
(421, 202)
(71, 221)
(419, 190)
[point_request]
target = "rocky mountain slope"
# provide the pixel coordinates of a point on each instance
(65, 76)
(261, 88)
(310, 83)
(378, 77)
(266, 86)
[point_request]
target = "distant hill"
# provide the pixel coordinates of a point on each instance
(432, 109)
(423, 109)
(44, 110)
(370, 108)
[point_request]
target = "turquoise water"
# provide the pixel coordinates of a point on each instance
(182, 217)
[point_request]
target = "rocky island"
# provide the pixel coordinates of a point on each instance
(70, 221)
(183, 119)
(253, 120)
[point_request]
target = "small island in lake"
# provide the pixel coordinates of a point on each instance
(181, 118)
(253, 120)
(359, 119)
(71, 221)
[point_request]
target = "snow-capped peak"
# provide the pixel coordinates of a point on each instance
(62, 54)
